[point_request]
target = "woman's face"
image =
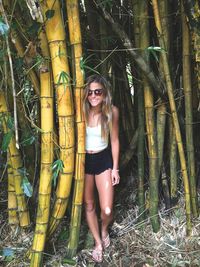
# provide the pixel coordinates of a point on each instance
(95, 94)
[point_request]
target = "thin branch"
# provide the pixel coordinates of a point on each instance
(12, 77)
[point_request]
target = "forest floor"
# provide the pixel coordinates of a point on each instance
(132, 243)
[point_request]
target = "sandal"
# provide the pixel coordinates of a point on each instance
(106, 241)
(97, 254)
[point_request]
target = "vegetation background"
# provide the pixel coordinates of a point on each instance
(149, 50)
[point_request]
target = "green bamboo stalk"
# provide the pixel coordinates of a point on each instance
(188, 113)
(150, 126)
(141, 122)
(174, 115)
(173, 164)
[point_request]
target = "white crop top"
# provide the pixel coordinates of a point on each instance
(94, 141)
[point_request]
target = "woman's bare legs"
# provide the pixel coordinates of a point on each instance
(90, 210)
(106, 193)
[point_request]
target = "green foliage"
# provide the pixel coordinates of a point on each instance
(6, 140)
(57, 166)
(34, 28)
(7, 254)
(151, 50)
(28, 138)
(64, 78)
(49, 13)
(84, 64)
(64, 234)
(26, 186)
(3, 27)
(7, 136)
(69, 261)
(106, 3)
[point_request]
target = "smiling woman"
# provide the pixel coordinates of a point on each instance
(101, 163)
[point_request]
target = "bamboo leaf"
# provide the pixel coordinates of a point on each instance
(27, 187)
(10, 122)
(69, 261)
(84, 66)
(7, 252)
(50, 13)
(56, 167)
(34, 28)
(6, 140)
(153, 49)
(3, 28)
(63, 78)
(27, 139)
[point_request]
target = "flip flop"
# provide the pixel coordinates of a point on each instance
(97, 254)
(106, 241)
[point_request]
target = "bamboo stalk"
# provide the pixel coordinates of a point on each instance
(174, 115)
(65, 108)
(141, 122)
(76, 43)
(150, 126)
(44, 196)
(173, 164)
(12, 200)
(188, 113)
(16, 164)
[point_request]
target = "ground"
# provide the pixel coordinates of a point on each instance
(132, 243)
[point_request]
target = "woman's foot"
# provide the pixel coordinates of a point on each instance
(97, 253)
(106, 241)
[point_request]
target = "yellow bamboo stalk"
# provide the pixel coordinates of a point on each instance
(44, 196)
(16, 164)
(57, 44)
(174, 114)
(76, 43)
(12, 200)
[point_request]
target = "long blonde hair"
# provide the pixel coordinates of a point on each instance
(106, 109)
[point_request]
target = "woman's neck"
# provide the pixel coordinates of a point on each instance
(95, 110)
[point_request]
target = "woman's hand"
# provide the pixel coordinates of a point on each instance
(115, 176)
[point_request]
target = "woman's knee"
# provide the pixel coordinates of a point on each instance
(89, 206)
(106, 212)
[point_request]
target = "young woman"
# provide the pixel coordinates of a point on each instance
(101, 163)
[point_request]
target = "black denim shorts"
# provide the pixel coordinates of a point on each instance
(97, 163)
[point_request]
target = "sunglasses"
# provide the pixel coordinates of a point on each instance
(96, 92)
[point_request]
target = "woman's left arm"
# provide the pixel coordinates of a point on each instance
(115, 145)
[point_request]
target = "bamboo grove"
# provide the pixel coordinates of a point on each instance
(149, 50)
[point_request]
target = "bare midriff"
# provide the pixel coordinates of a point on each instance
(93, 152)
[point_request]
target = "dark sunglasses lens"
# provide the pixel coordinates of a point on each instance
(97, 92)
